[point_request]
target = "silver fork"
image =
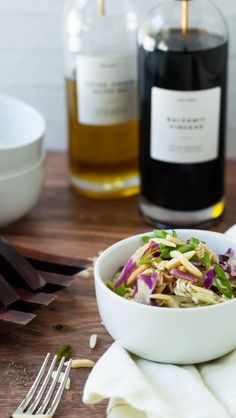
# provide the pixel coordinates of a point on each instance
(38, 405)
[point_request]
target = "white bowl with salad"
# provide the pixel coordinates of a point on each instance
(169, 296)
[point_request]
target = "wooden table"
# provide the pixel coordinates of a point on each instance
(64, 223)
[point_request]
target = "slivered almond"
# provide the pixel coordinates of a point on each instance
(135, 274)
(164, 241)
(84, 274)
(160, 266)
(186, 263)
(81, 363)
(175, 261)
(175, 240)
(173, 264)
(93, 341)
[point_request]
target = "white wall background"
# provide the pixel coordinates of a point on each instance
(31, 61)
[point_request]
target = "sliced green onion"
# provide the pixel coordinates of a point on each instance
(206, 260)
(121, 290)
(185, 248)
(194, 242)
(222, 282)
(159, 233)
(65, 351)
(165, 252)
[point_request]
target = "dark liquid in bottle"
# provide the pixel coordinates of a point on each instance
(197, 61)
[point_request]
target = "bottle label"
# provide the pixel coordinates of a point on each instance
(185, 125)
(106, 89)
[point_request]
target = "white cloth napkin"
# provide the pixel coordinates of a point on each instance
(139, 388)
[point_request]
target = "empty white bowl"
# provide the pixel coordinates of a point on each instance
(168, 335)
(20, 192)
(21, 135)
(21, 158)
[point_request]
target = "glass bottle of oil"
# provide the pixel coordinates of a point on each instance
(101, 85)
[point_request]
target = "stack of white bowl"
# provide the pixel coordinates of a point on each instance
(22, 131)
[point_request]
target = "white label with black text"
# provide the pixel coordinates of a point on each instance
(185, 125)
(106, 89)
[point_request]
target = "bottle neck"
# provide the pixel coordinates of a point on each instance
(183, 19)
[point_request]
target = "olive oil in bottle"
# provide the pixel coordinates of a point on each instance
(101, 85)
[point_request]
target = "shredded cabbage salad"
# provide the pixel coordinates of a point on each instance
(167, 271)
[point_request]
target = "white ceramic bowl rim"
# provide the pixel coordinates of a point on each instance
(179, 311)
(25, 171)
(39, 123)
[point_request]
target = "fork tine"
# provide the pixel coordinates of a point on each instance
(52, 387)
(35, 385)
(51, 411)
(39, 396)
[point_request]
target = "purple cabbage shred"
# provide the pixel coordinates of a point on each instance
(209, 277)
(126, 272)
(224, 258)
(229, 252)
(146, 284)
(182, 275)
(153, 247)
(233, 271)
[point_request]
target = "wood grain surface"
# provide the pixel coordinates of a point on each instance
(66, 224)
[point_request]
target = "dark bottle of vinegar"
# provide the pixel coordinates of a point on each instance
(183, 54)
